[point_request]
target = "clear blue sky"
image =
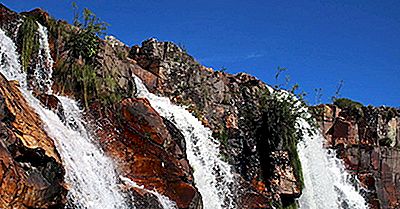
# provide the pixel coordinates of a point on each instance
(320, 42)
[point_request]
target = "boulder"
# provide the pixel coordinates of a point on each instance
(51, 102)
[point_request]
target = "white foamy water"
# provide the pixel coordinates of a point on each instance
(44, 65)
(165, 202)
(10, 66)
(327, 183)
(212, 176)
(90, 175)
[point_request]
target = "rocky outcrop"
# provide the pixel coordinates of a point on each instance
(114, 82)
(367, 139)
(230, 105)
(151, 152)
(9, 21)
(31, 174)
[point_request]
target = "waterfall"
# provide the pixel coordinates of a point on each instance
(92, 178)
(44, 66)
(90, 174)
(327, 183)
(212, 176)
(9, 65)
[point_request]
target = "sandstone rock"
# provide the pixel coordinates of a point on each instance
(150, 155)
(285, 180)
(39, 14)
(27, 122)
(115, 68)
(228, 104)
(31, 175)
(375, 163)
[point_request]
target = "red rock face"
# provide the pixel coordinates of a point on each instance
(150, 79)
(359, 144)
(149, 155)
(285, 180)
(230, 105)
(31, 175)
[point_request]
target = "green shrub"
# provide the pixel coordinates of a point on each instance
(353, 107)
(80, 66)
(279, 129)
(111, 96)
(387, 142)
(84, 41)
(345, 103)
(85, 75)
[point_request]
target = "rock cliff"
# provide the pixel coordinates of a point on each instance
(367, 139)
(148, 148)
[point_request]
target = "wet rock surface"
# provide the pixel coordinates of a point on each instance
(31, 174)
(150, 153)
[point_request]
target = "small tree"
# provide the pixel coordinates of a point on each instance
(338, 90)
(83, 45)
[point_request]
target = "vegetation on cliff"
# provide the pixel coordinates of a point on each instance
(83, 44)
(353, 107)
(79, 72)
(84, 41)
(280, 131)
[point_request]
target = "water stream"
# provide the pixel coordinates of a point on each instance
(90, 173)
(327, 183)
(212, 176)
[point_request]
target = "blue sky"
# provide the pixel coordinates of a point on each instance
(319, 42)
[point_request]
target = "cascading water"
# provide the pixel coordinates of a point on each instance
(92, 178)
(90, 174)
(165, 202)
(327, 183)
(89, 171)
(212, 176)
(44, 65)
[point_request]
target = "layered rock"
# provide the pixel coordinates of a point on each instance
(367, 139)
(31, 174)
(114, 71)
(230, 105)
